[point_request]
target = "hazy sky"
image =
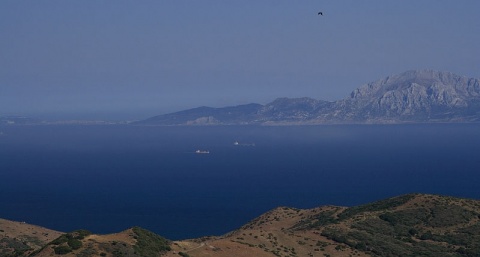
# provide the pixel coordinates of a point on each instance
(135, 59)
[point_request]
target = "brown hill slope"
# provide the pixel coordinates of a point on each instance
(408, 225)
(135, 242)
(272, 234)
(20, 237)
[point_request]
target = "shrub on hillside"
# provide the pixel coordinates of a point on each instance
(62, 249)
(149, 243)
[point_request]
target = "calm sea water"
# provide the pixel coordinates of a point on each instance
(109, 178)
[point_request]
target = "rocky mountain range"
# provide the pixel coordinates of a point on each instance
(413, 96)
(406, 225)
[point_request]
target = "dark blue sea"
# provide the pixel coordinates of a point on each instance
(109, 178)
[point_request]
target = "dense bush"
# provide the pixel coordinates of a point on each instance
(378, 244)
(62, 249)
(409, 217)
(445, 216)
(376, 206)
(74, 243)
(318, 220)
(60, 240)
(149, 244)
(81, 234)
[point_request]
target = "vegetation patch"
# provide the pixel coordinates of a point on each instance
(62, 249)
(149, 244)
(409, 217)
(376, 206)
(384, 245)
(118, 250)
(66, 243)
(450, 215)
(319, 220)
(12, 247)
(410, 231)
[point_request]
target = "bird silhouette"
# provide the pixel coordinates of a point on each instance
(320, 13)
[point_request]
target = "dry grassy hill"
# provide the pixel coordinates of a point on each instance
(20, 238)
(273, 234)
(132, 242)
(408, 225)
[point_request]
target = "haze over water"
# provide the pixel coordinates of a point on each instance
(124, 60)
(109, 178)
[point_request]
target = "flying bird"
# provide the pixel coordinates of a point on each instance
(320, 13)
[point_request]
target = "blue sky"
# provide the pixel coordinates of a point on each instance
(134, 59)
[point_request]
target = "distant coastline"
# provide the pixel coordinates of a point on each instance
(418, 96)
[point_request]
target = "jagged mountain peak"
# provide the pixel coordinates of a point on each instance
(426, 79)
(417, 96)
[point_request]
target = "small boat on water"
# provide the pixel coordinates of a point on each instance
(243, 144)
(202, 151)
